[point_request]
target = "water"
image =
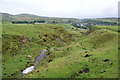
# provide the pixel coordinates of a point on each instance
(38, 59)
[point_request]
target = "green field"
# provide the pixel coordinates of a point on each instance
(70, 52)
(112, 28)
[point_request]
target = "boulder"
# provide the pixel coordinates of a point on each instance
(29, 56)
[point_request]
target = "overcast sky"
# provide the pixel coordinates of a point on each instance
(62, 8)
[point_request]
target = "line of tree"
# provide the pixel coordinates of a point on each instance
(28, 22)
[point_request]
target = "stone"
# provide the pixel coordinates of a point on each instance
(106, 60)
(85, 70)
(29, 56)
(86, 52)
(87, 55)
(50, 60)
(24, 40)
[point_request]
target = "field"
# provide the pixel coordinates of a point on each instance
(70, 52)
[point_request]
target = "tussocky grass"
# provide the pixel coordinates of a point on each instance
(66, 55)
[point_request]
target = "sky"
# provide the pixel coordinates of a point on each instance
(62, 8)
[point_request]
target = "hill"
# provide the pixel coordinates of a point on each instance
(70, 52)
(101, 21)
(30, 17)
(112, 19)
(27, 15)
(6, 17)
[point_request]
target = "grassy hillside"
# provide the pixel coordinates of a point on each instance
(70, 54)
(108, 19)
(112, 28)
(7, 18)
(101, 21)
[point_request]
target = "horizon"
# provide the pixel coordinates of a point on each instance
(62, 8)
(56, 17)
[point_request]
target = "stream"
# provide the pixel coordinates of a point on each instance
(31, 68)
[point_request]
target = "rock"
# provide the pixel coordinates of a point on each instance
(45, 35)
(54, 28)
(12, 74)
(87, 55)
(38, 71)
(86, 70)
(86, 52)
(111, 63)
(84, 48)
(60, 30)
(33, 60)
(4, 74)
(44, 40)
(49, 60)
(48, 53)
(24, 40)
(80, 71)
(93, 59)
(29, 56)
(28, 62)
(74, 75)
(23, 45)
(106, 60)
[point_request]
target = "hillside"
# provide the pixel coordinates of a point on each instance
(70, 52)
(112, 19)
(101, 21)
(29, 17)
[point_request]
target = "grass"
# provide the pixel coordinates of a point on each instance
(108, 20)
(113, 28)
(72, 54)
